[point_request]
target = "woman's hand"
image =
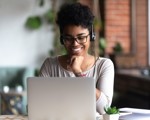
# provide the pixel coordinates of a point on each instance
(75, 63)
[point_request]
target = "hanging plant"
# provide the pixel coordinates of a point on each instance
(33, 22)
(102, 46)
(41, 3)
(97, 24)
(50, 16)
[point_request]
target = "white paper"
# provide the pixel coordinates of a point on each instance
(135, 110)
(137, 114)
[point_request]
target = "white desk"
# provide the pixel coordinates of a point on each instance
(137, 114)
(20, 117)
(17, 117)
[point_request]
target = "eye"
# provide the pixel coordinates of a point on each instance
(81, 38)
(68, 38)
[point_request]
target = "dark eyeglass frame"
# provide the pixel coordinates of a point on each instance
(70, 40)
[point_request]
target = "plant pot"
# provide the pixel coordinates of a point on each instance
(111, 117)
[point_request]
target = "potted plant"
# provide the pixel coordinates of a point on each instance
(112, 113)
(118, 48)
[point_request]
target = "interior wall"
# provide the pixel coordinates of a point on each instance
(148, 32)
(18, 45)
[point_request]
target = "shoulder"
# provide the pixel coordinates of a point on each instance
(103, 60)
(48, 66)
(104, 63)
(50, 60)
(105, 66)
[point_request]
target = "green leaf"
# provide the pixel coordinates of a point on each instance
(117, 48)
(111, 110)
(33, 22)
(41, 3)
(50, 16)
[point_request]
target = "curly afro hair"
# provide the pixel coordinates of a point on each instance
(74, 14)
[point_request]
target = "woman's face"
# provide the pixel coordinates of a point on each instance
(76, 40)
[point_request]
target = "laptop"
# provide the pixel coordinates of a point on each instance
(61, 98)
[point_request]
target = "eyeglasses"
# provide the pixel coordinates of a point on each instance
(78, 39)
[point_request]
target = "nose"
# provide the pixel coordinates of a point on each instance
(75, 42)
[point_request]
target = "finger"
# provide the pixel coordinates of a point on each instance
(72, 60)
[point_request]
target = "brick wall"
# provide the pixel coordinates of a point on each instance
(118, 28)
(117, 24)
(142, 32)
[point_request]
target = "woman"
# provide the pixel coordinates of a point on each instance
(75, 22)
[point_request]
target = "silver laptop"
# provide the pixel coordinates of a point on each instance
(65, 98)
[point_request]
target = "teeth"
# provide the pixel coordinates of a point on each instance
(77, 49)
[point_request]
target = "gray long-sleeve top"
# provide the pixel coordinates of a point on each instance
(102, 72)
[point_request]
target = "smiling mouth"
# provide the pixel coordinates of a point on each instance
(76, 50)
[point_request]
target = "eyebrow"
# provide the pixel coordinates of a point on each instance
(80, 34)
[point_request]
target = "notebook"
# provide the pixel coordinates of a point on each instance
(61, 98)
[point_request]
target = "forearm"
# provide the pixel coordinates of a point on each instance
(102, 102)
(105, 84)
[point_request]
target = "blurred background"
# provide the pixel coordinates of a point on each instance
(28, 35)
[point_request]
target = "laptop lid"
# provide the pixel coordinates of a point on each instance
(65, 98)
